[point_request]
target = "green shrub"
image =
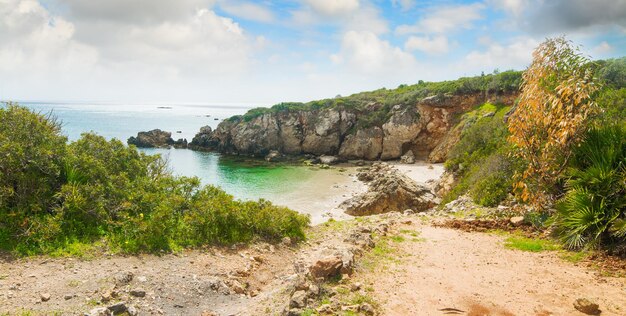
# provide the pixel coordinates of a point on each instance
(593, 210)
(94, 190)
(493, 180)
(481, 159)
(31, 161)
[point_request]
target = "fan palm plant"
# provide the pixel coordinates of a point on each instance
(593, 210)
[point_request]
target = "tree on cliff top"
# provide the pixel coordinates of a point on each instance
(553, 111)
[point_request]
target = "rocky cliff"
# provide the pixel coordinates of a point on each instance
(348, 132)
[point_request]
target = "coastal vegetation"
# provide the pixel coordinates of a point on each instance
(57, 196)
(375, 106)
(561, 148)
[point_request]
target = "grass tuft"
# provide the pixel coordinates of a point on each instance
(530, 244)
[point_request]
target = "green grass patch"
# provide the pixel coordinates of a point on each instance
(530, 244)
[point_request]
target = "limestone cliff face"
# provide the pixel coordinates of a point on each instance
(422, 128)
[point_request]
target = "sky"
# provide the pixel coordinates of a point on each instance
(265, 52)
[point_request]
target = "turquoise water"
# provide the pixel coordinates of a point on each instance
(243, 178)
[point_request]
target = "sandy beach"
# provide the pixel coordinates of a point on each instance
(321, 194)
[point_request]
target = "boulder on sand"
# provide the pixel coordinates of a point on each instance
(408, 157)
(389, 191)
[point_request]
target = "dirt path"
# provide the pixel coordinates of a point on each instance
(474, 273)
(426, 271)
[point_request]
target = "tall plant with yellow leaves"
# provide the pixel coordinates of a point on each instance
(553, 111)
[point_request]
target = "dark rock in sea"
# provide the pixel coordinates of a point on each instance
(180, 143)
(156, 138)
(204, 140)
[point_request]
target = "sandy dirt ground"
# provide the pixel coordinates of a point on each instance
(188, 283)
(474, 274)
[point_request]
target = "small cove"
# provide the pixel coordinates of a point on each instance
(310, 190)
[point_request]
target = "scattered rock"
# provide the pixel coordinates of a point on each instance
(325, 309)
(118, 308)
(237, 287)
(294, 312)
(350, 308)
(355, 287)
(99, 311)
(68, 296)
(298, 300)
(138, 293)
(45, 297)
(105, 297)
(286, 241)
(274, 156)
(367, 309)
(329, 160)
(408, 157)
(123, 278)
(314, 290)
(326, 268)
(585, 306)
(517, 220)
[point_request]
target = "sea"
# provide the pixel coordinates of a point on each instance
(244, 178)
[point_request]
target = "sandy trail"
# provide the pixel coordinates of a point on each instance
(474, 273)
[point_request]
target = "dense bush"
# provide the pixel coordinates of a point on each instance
(593, 211)
(54, 194)
(481, 159)
(612, 72)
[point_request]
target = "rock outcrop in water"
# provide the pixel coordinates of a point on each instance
(346, 132)
(156, 138)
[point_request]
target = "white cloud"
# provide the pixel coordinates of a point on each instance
(602, 48)
(80, 58)
(333, 7)
(516, 55)
(364, 52)
(404, 5)
(367, 19)
(135, 11)
(435, 45)
(32, 40)
(515, 7)
(349, 15)
(445, 19)
(248, 11)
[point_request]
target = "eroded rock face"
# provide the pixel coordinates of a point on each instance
(389, 191)
(364, 144)
(403, 128)
(422, 128)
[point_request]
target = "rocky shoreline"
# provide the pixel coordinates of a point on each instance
(420, 131)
